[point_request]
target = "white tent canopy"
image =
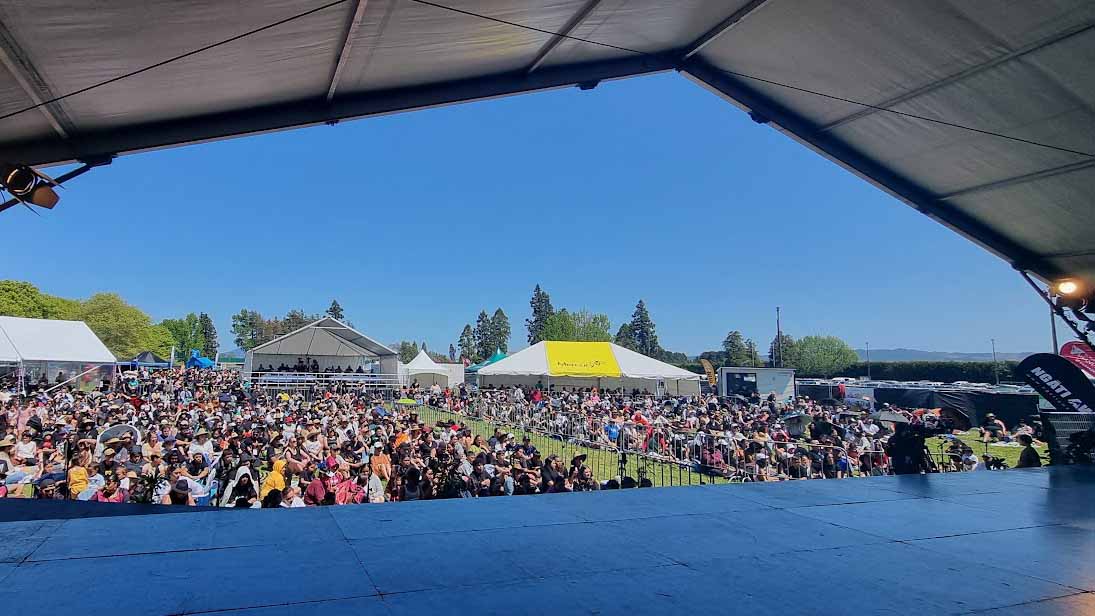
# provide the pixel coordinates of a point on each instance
(23, 340)
(423, 364)
(328, 341)
(636, 371)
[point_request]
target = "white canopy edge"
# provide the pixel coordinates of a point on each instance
(23, 339)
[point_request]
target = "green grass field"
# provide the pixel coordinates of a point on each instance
(604, 463)
(1008, 453)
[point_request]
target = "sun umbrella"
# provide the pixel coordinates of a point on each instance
(890, 416)
(798, 418)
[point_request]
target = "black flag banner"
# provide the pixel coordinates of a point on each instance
(1058, 380)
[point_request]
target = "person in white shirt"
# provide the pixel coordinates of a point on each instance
(26, 451)
(202, 444)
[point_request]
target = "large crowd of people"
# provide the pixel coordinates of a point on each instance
(204, 437)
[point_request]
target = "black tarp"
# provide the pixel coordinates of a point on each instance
(973, 404)
(148, 357)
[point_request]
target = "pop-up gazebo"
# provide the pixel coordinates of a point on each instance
(428, 372)
(588, 364)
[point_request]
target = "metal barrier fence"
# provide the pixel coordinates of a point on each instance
(658, 454)
(307, 383)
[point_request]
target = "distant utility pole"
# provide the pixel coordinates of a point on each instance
(779, 340)
(995, 370)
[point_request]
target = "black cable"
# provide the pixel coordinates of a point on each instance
(176, 58)
(763, 80)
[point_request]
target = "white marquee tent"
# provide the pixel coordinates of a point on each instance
(428, 372)
(588, 364)
(331, 343)
(48, 348)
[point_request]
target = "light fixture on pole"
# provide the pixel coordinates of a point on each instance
(28, 186)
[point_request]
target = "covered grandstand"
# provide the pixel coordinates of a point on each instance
(325, 350)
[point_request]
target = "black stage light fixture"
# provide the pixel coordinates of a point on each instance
(28, 185)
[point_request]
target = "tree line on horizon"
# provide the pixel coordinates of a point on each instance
(125, 329)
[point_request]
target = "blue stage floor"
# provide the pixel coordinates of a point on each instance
(1013, 542)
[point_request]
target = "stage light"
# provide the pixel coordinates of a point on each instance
(1067, 287)
(28, 185)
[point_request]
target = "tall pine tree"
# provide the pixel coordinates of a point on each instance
(468, 348)
(541, 311)
(484, 335)
(624, 337)
(642, 334)
(500, 331)
(209, 333)
(335, 310)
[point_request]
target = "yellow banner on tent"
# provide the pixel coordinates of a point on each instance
(581, 359)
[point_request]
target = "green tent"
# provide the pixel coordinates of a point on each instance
(498, 356)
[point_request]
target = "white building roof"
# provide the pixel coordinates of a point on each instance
(50, 340)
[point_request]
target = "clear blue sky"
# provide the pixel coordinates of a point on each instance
(646, 188)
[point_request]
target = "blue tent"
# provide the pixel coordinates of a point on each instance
(197, 361)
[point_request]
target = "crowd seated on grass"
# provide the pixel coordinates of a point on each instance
(200, 437)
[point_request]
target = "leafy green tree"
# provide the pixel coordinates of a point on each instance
(784, 344)
(484, 336)
(407, 351)
(500, 330)
(592, 327)
(582, 326)
(541, 310)
(209, 336)
(737, 352)
(468, 347)
(823, 355)
(247, 327)
(157, 339)
(187, 333)
(120, 326)
(22, 299)
(559, 326)
(335, 310)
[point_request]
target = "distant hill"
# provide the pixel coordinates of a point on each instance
(881, 355)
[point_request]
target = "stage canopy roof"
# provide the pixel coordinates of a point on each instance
(50, 340)
(326, 337)
(585, 359)
(1022, 69)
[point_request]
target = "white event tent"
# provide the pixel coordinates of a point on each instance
(588, 364)
(328, 342)
(428, 372)
(54, 351)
